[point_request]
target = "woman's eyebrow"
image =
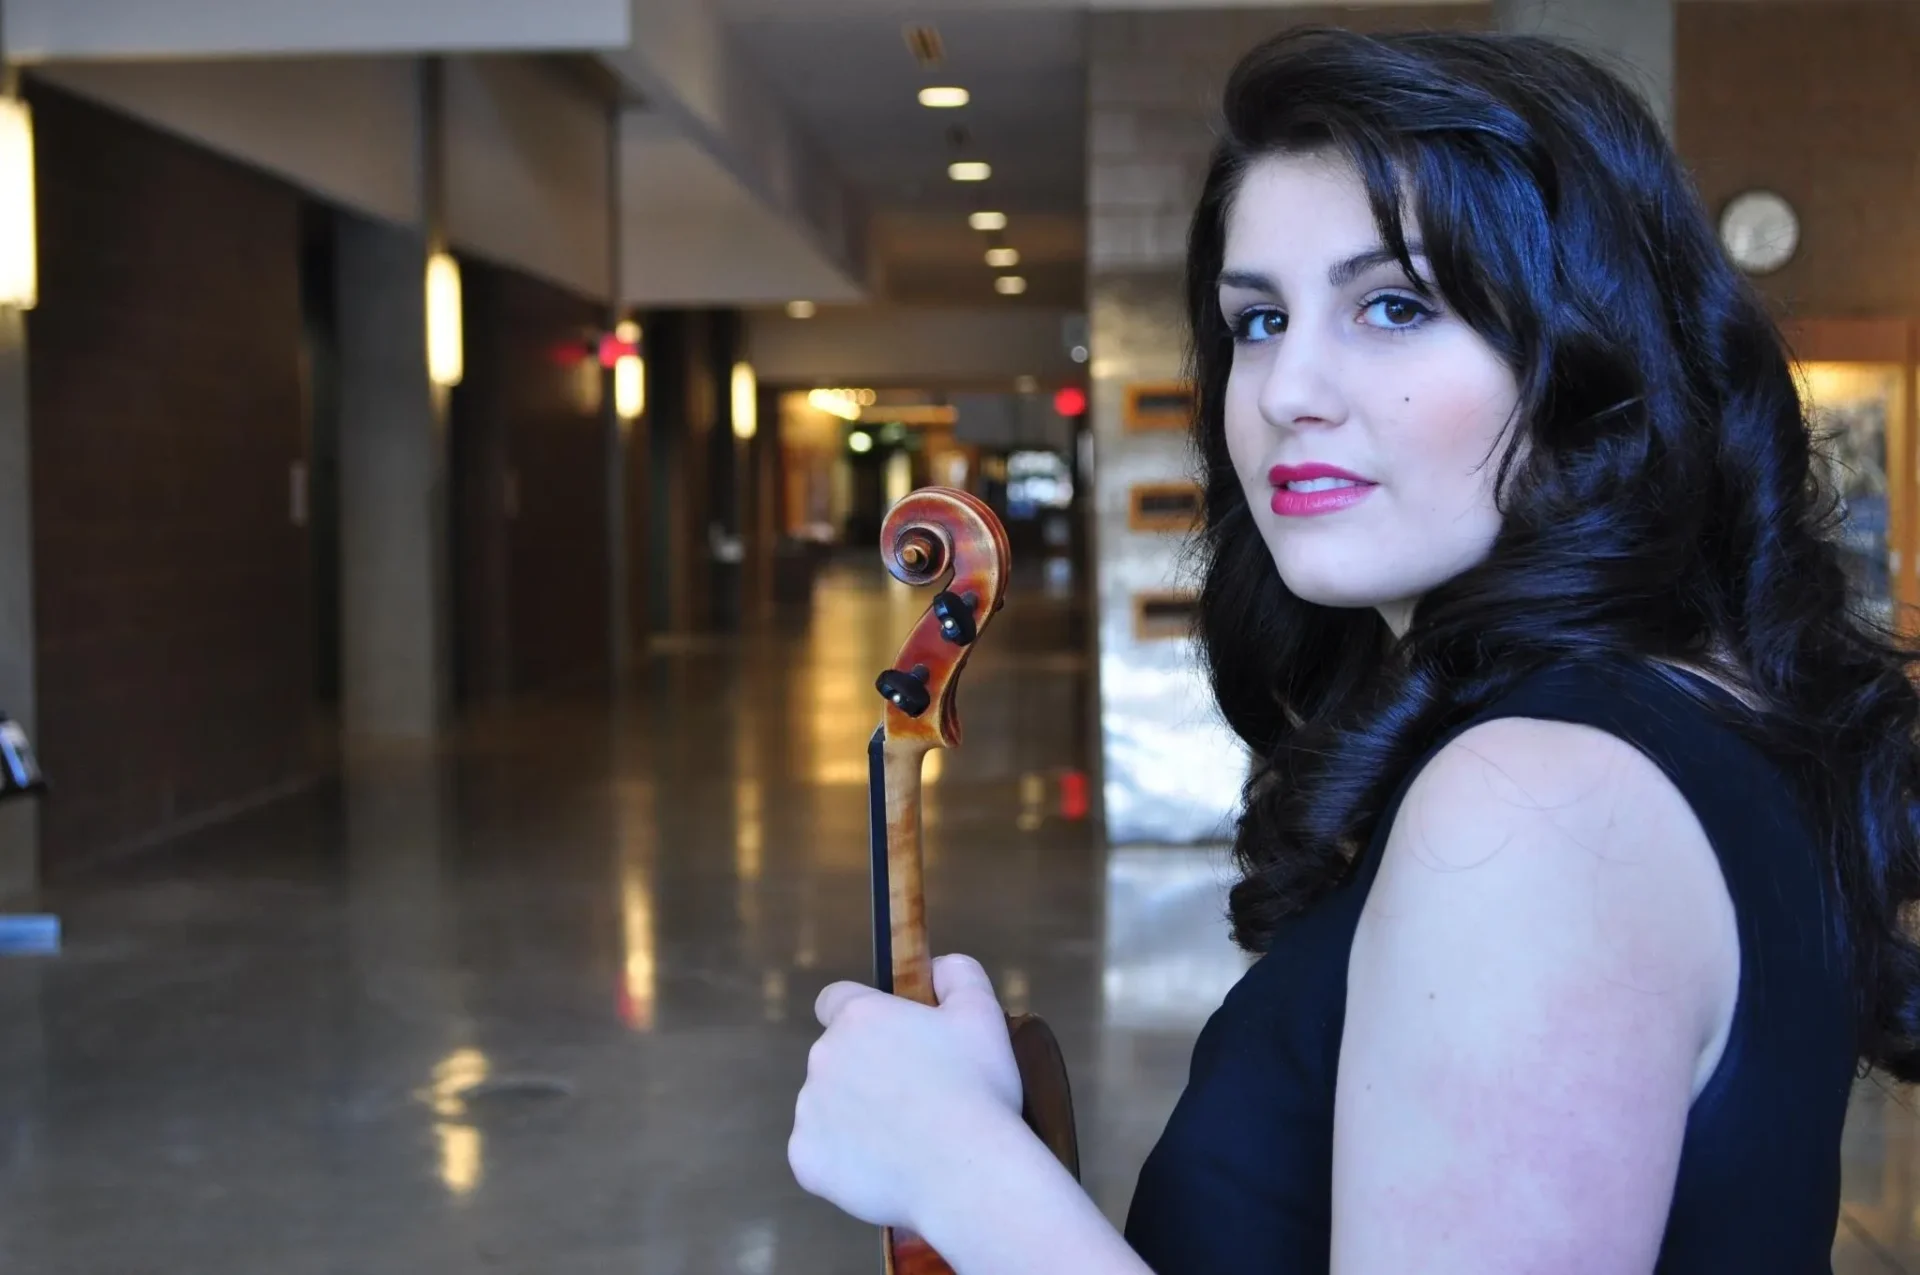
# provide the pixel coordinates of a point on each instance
(1345, 272)
(1339, 275)
(1249, 280)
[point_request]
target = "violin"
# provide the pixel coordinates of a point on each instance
(937, 532)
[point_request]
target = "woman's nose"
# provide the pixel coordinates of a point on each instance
(1302, 387)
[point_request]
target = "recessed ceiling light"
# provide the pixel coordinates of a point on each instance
(1001, 258)
(988, 221)
(1009, 285)
(800, 309)
(969, 170)
(944, 97)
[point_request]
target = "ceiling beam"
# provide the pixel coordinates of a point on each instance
(928, 347)
(692, 234)
(683, 64)
(48, 30)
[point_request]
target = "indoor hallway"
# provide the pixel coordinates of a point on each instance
(539, 1000)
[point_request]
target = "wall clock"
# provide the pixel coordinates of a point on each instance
(1760, 231)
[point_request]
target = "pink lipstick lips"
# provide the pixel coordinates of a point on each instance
(1307, 491)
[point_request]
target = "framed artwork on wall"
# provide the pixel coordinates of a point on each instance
(1857, 380)
(1163, 615)
(1158, 405)
(1173, 507)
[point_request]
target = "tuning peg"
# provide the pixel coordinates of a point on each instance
(955, 614)
(907, 692)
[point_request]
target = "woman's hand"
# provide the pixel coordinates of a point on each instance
(903, 1100)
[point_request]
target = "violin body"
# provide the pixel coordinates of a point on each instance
(1046, 1099)
(1046, 1104)
(937, 532)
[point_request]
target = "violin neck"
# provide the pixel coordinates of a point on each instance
(902, 959)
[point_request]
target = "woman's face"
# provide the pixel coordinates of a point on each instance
(1365, 421)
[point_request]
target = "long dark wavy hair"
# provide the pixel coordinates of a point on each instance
(1660, 499)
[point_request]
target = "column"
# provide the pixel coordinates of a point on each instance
(20, 818)
(618, 439)
(395, 594)
(393, 525)
(1170, 770)
(1633, 37)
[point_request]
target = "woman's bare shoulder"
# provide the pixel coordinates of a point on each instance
(1541, 979)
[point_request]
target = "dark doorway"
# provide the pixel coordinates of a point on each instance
(320, 373)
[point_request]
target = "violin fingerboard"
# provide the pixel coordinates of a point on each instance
(877, 844)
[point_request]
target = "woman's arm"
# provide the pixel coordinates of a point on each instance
(1016, 1211)
(910, 1117)
(1541, 982)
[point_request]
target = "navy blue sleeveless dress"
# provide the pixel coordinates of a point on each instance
(1241, 1180)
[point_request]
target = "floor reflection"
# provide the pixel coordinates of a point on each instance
(461, 1147)
(302, 1043)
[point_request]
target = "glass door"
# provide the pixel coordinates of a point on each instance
(1858, 414)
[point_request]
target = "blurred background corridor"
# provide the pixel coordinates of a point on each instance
(443, 446)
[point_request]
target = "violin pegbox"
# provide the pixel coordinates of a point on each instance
(935, 532)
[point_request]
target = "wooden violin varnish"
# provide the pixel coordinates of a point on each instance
(934, 533)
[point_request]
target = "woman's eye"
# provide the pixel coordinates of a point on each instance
(1259, 325)
(1396, 312)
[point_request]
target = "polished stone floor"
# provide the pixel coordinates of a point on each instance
(538, 1000)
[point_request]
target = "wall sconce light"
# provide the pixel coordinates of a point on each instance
(746, 404)
(445, 343)
(845, 404)
(19, 271)
(629, 373)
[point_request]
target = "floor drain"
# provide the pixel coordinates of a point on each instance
(515, 1092)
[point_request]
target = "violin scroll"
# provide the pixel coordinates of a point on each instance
(933, 532)
(916, 554)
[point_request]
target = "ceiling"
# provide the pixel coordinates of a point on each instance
(845, 68)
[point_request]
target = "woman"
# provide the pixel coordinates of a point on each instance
(1584, 812)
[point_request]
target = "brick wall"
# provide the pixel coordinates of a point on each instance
(1819, 100)
(171, 588)
(1821, 103)
(530, 487)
